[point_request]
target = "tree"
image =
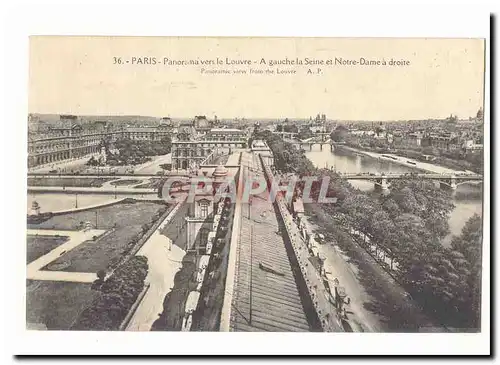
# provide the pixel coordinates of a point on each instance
(101, 274)
(469, 244)
(440, 283)
(391, 207)
(291, 128)
(279, 128)
(166, 142)
(383, 231)
(305, 133)
(429, 150)
(406, 200)
(414, 243)
(421, 197)
(360, 208)
(437, 224)
(92, 162)
(286, 157)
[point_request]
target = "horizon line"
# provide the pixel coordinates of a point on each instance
(239, 118)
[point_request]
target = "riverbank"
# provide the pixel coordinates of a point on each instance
(412, 238)
(467, 198)
(418, 165)
(378, 302)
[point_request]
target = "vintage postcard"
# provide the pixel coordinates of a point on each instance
(255, 184)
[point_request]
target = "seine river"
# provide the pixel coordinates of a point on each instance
(467, 198)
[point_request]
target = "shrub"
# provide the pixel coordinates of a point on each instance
(145, 227)
(113, 262)
(101, 274)
(118, 294)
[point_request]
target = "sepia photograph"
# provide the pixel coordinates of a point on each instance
(264, 180)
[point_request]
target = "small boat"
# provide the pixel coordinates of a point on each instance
(411, 162)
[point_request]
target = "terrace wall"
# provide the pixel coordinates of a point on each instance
(134, 307)
(172, 209)
(90, 207)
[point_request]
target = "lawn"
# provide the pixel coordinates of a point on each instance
(37, 246)
(69, 182)
(56, 304)
(123, 220)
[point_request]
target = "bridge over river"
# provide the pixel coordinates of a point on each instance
(321, 139)
(446, 180)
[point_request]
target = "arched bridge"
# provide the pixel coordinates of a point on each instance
(320, 139)
(448, 180)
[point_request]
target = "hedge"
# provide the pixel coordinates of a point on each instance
(117, 295)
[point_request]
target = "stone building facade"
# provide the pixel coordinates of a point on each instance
(190, 154)
(63, 143)
(151, 134)
(72, 139)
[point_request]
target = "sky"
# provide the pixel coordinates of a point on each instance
(91, 76)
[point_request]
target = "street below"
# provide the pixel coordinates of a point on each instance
(378, 302)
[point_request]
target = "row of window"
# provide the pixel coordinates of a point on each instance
(196, 145)
(34, 147)
(225, 138)
(190, 153)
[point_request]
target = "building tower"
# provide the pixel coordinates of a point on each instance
(201, 210)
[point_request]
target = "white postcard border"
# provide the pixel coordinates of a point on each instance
(256, 20)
